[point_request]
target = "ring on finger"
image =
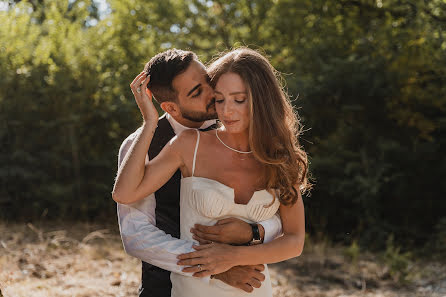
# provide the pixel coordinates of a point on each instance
(138, 90)
(199, 267)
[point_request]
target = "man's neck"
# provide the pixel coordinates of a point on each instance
(187, 123)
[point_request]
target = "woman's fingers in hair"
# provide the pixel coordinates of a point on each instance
(136, 80)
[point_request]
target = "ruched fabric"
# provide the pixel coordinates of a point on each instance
(213, 199)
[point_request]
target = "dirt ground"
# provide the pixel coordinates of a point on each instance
(88, 260)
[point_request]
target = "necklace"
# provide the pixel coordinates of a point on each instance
(232, 149)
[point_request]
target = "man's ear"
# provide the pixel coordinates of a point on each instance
(171, 108)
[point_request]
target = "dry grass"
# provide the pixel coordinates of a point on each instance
(76, 260)
(88, 260)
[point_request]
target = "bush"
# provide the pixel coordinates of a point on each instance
(398, 263)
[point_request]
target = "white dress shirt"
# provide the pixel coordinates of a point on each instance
(137, 222)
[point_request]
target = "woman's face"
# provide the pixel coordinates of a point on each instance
(231, 102)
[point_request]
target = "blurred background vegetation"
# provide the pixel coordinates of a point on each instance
(367, 77)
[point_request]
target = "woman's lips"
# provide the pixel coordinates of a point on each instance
(227, 122)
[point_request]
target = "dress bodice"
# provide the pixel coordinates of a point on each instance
(215, 200)
(206, 201)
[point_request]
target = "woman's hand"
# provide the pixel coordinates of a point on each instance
(209, 259)
(143, 98)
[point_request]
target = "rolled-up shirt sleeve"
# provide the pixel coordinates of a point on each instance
(140, 236)
(273, 228)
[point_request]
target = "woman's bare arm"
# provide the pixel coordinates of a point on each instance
(136, 179)
(288, 246)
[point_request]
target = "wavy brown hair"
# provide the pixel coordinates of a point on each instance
(274, 126)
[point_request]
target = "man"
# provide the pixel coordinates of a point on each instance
(150, 228)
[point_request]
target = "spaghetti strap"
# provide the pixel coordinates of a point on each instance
(195, 153)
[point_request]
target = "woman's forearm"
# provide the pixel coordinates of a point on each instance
(131, 171)
(280, 249)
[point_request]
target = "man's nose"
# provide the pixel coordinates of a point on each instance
(210, 92)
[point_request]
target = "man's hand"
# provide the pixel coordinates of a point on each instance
(229, 231)
(243, 277)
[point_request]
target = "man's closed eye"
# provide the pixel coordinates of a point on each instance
(198, 93)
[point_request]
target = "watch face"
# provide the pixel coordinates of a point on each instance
(255, 241)
(255, 235)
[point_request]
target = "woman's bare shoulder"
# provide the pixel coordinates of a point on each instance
(184, 139)
(208, 134)
(187, 135)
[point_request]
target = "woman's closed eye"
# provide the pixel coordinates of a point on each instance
(219, 99)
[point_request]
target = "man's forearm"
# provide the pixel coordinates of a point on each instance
(237, 232)
(142, 239)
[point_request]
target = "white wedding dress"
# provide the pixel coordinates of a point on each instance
(205, 201)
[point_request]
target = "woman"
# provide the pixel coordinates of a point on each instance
(248, 168)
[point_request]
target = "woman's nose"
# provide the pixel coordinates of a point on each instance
(227, 108)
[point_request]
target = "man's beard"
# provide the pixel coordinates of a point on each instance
(198, 116)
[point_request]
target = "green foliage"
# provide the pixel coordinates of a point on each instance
(368, 79)
(398, 263)
(353, 252)
(375, 133)
(56, 104)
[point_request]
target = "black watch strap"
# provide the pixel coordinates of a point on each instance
(255, 235)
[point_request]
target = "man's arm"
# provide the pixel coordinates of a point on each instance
(236, 231)
(143, 240)
(272, 228)
(243, 277)
(140, 236)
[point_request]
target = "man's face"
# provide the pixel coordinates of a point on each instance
(195, 96)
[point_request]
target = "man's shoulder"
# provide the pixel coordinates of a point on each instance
(132, 136)
(126, 144)
(163, 123)
(129, 140)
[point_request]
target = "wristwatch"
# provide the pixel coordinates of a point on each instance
(255, 235)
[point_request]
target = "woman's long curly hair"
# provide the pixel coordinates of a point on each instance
(274, 126)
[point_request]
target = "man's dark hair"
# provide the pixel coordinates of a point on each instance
(163, 68)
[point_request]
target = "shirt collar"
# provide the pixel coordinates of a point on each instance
(178, 128)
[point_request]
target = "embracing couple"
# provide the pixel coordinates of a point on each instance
(205, 204)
